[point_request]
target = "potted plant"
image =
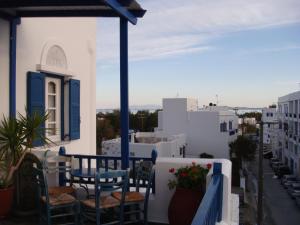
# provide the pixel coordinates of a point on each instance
(189, 184)
(16, 139)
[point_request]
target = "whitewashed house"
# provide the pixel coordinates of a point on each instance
(184, 130)
(289, 130)
(270, 130)
(207, 130)
(55, 72)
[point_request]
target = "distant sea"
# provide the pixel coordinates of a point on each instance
(134, 109)
(151, 110)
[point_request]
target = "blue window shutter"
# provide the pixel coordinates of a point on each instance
(36, 97)
(74, 109)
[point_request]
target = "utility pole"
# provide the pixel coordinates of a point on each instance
(260, 176)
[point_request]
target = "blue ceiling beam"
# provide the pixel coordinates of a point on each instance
(121, 10)
(6, 16)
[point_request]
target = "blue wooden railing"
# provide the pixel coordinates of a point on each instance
(210, 209)
(107, 162)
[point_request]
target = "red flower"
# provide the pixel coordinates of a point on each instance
(208, 166)
(183, 174)
(172, 170)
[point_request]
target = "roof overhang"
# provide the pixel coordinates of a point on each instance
(129, 9)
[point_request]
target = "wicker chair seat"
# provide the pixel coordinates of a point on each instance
(57, 200)
(61, 190)
(129, 196)
(105, 202)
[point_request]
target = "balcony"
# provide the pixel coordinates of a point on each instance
(218, 205)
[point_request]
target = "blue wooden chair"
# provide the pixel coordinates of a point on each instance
(62, 166)
(136, 203)
(104, 205)
(60, 208)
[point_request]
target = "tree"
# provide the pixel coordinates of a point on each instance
(243, 148)
(104, 131)
(256, 115)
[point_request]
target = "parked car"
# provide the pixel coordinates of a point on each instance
(282, 170)
(288, 178)
(293, 189)
(297, 198)
(272, 160)
(288, 184)
(276, 165)
(295, 193)
(268, 154)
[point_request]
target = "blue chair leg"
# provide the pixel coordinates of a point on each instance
(77, 213)
(48, 216)
(98, 216)
(145, 214)
(121, 214)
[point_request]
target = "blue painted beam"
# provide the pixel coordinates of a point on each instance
(12, 65)
(121, 10)
(124, 92)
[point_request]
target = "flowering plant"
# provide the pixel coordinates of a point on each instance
(191, 177)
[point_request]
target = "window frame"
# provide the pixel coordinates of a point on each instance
(58, 107)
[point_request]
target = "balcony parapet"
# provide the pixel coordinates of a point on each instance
(159, 202)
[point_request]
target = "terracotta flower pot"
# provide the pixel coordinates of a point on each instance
(6, 196)
(184, 205)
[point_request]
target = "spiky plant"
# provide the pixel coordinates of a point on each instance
(16, 138)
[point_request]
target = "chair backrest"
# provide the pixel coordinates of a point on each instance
(41, 181)
(56, 163)
(109, 181)
(144, 175)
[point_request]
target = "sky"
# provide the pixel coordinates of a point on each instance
(236, 52)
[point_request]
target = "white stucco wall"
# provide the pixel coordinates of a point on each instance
(202, 128)
(168, 147)
(159, 202)
(4, 67)
(203, 135)
(174, 116)
(77, 38)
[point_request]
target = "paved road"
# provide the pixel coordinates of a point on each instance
(280, 207)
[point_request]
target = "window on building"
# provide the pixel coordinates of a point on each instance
(46, 94)
(223, 127)
(53, 108)
(230, 125)
(295, 149)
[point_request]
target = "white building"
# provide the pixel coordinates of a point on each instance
(270, 131)
(55, 72)
(289, 128)
(142, 144)
(184, 130)
(207, 130)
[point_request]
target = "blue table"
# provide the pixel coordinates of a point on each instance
(86, 176)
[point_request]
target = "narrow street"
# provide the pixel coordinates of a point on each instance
(279, 207)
